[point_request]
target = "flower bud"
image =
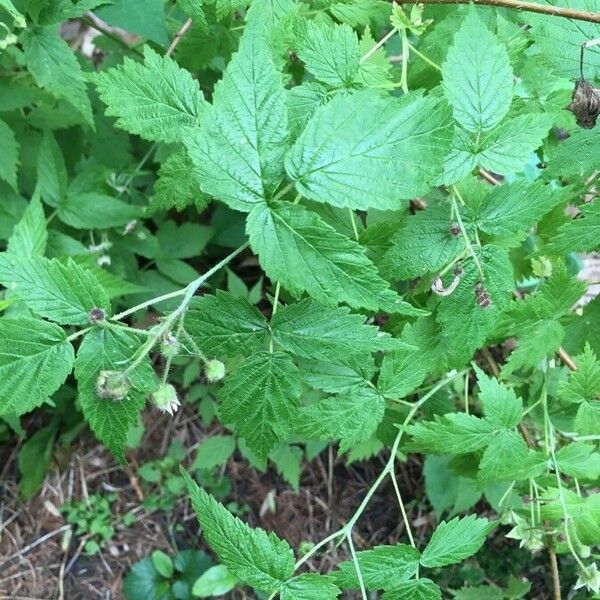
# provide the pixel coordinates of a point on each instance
(214, 370)
(170, 346)
(165, 398)
(112, 385)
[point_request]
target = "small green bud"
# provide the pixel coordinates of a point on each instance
(170, 346)
(214, 370)
(165, 398)
(112, 385)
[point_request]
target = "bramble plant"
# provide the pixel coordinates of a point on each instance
(417, 206)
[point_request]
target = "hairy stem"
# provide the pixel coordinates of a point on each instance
(544, 9)
(363, 589)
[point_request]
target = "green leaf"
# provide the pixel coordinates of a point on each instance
(34, 458)
(478, 79)
(55, 68)
(144, 582)
(579, 459)
(575, 156)
(302, 101)
(584, 513)
(288, 461)
(382, 568)
(35, 360)
(454, 433)
(216, 581)
(223, 325)
(304, 253)
(52, 172)
(126, 15)
(578, 235)
(157, 100)
(254, 556)
(513, 208)
(176, 186)
(351, 418)
(111, 349)
(213, 451)
(238, 153)
(30, 234)
(90, 210)
(362, 150)
(506, 458)
(309, 586)
(342, 375)
(455, 540)
(418, 589)
(375, 71)
(508, 147)
(330, 53)
(423, 244)
(312, 330)
(260, 398)
(64, 293)
(162, 563)
(501, 406)
(9, 150)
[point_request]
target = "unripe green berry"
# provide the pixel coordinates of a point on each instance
(165, 398)
(214, 370)
(170, 346)
(112, 385)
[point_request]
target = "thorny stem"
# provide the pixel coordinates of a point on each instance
(463, 231)
(363, 589)
(378, 45)
(389, 466)
(545, 9)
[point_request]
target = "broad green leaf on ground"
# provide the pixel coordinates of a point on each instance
(455, 540)
(329, 52)
(9, 150)
(223, 325)
(579, 459)
(176, 186)
(105, 349)
(288, 462)
(343, 375)
(303, 253)
(507, 148)
(55, 68)
(513, 208)
(64, 293)
(382, 568)
(363, 150)
(30, 234)
(583, 388)
(312, 330)
(90, 210)
(260, 399)
(254, 556)
(560, 40)
(579, 235)
(501, 405)
(351, 418)
(423, 244)
(238, 153)
(403, 371)
(157, 100)
(465, 321)
(453, 433)
(417, 589)
(309, 586)
(126, 15)
(35, 360)
(213, 451)
(215, 581)
(51, 171)
(302, 101)
(477, 76)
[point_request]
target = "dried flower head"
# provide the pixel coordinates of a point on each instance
(165, 398)
(97, 315)
(455, 229)
(112, 385)
(170, 346)
(585, 104)
(482, 296)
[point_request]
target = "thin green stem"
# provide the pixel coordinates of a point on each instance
(405, 56)
(79, 333)
(353, 221)
(456, 213)
(467, 393)
(283, 191)
(424, 58)
(378, 45)
(363, 589)
(402, 508)
(275, 305)
(317, 547)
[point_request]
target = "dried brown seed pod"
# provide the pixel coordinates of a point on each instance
(455, 229)
(585, 104)
(482, 296)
